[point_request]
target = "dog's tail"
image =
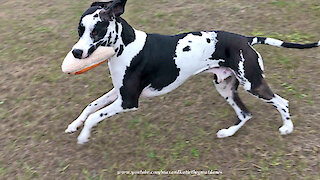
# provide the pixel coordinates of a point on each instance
(279, 43)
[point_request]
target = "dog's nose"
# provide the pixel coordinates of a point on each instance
(77, 53)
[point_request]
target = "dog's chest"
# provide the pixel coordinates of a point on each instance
(119, 65)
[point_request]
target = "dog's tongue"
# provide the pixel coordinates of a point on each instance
(72, 65)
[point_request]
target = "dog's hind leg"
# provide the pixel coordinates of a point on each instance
(263, 92)
(91, 108)
(228, 89)
(249, 74)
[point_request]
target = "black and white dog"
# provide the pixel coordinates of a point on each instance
(147, 65)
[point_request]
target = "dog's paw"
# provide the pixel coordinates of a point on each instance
(223, 133)
(286, 129)
(83, 138)
(74, 126)
(71, 129)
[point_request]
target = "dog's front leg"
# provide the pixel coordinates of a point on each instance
(98, 116)
(106, 99)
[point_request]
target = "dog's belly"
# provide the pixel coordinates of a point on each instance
(222, 73)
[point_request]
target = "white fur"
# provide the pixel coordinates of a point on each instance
(91, 108)
(286, 128)
(96, 117)
(243, 80)
(319, 43)
(254, 41)
(282, 106)
(274, 42)
(118, 65)
(225, 89)
(222, 73)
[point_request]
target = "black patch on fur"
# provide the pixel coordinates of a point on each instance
(91, 10)
(120, 50)
(288, 118)
(238, 122)
(215, 77)
(154, 66)
(99, 31)
(91, 50)
(116, 50)
(299, 46)
(228, 48)
(260, 40)
(117, 27)
(109, 38)
(238, 101)
(106, 114)
(96, 104)
(190, 41)
(101, 115)
(101, 4)
(208, 40)
(196, 33)
(243, 115)
(284, 110)
(127, 34)
(187, 48)
(104, 43)
(81, 29)
(116, 39)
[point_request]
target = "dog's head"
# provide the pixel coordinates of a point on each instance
(94, 26)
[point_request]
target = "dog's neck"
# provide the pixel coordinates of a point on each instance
(120, 33)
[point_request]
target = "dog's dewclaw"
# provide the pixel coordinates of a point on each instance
(72, 65)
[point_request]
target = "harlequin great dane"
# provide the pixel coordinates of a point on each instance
(147, 65)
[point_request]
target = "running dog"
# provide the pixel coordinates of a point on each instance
(148, 65)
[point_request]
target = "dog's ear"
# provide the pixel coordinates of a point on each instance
(102, 4)
(113, 10)
(117, 7)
